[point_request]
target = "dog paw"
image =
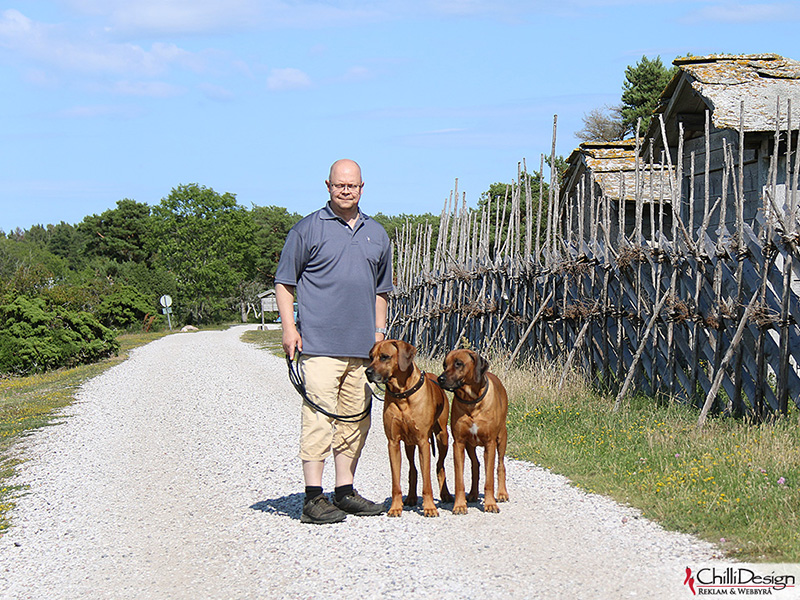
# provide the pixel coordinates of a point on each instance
(501, 497)
(430, 512)
(491, 508)
(460, 510)
(394, 512)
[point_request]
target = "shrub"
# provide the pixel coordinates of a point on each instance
(34, 339)
(125, 308)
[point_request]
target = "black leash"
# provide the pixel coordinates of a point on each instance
(297, 382)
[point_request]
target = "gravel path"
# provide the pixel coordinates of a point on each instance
(176, 476)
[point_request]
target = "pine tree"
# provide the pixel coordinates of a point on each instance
(643, 85)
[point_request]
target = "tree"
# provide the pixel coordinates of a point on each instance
(65, 241)
(642, 88)
(118, 233)
(602, 125)
(272, 223)
(206, 240)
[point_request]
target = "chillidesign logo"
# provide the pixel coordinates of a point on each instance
(735, 581)
(689, 580)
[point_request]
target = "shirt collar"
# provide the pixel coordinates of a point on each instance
(327, 213)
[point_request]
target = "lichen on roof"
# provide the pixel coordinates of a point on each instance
(614, 167)
(762, 81)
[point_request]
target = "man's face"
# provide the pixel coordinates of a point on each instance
(345, 186)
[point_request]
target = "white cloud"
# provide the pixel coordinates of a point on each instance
(50, 46)
(173, 16)
(288, 79)
(155, 17)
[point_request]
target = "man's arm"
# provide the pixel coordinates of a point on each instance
(284, 296)
(381, 310)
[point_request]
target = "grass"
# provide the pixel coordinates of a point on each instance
(28, 403)
(271, 340)
(732, 483)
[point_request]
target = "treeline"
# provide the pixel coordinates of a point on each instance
(67, 290)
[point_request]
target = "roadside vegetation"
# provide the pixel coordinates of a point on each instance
(733, 483)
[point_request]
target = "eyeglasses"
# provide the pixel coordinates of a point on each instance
(346, 186)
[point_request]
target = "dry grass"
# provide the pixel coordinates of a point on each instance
(732, 483)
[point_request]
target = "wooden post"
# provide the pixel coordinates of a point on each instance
(642, 343)
(737, 337)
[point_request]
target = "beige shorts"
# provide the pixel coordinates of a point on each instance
(340, 386)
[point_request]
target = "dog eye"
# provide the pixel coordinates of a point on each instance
(385, 357)
(459, 364)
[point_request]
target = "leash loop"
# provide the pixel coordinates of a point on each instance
(297, 382)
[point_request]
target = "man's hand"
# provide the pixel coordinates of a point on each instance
(291, 341)
(284, 295)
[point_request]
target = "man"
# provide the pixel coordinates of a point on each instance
(339, 261)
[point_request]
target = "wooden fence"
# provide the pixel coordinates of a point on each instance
(700, 314)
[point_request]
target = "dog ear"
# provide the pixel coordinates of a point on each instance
(405, 355)
(481, 367)
(372, 350)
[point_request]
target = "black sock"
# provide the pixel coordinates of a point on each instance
(312, 491)
(342, 491)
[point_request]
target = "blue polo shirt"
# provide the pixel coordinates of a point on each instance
(337, 272)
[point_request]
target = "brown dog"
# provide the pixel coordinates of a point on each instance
(415, 411)
(480, 406)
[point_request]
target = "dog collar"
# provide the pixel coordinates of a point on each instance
(478, 399)
(416, 387)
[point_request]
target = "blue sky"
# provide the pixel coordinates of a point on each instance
(110, 99)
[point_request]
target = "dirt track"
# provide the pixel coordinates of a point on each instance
(176, 476)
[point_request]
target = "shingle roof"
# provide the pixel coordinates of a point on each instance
(610, 161)
(724, 80)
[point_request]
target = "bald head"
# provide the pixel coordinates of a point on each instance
(345, 168)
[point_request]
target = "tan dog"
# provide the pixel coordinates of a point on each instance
(480, 406)
(415, 411)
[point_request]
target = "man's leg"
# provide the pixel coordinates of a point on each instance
(349, 439)
(345, 468)
(321, 378)
(312, 474)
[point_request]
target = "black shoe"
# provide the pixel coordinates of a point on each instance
(357, 505)
(320, 511)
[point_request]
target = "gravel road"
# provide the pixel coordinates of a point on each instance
(176, 475)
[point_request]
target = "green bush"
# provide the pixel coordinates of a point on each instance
(35, 338)
(125, 308)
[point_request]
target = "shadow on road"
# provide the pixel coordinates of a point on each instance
(285, 506)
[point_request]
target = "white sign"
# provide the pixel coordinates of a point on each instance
(165, 301)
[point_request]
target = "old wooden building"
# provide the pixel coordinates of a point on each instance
(720, 111)
(611, 170)
(712, 140)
